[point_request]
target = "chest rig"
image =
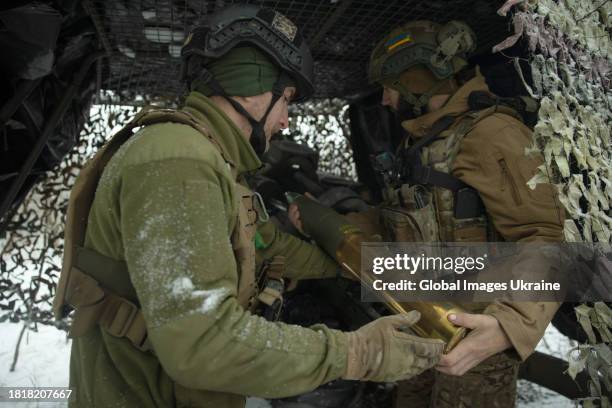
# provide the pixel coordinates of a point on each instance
(430, 204)
(113, 304)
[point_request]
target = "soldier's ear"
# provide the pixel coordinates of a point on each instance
(289, 92)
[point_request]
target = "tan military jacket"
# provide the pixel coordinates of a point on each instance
(491, 159)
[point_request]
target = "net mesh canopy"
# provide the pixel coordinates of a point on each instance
(143, 39)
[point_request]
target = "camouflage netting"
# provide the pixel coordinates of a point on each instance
(570, 66)
(571, 55)
(33, 247)
(595, 356)
(570, 61)
(143, 38)
(323, 125)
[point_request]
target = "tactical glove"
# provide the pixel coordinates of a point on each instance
(380, 351)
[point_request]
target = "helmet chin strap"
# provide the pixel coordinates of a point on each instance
(257, 138)
(418, 102)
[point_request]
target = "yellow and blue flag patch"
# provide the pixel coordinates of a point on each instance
(398, 40)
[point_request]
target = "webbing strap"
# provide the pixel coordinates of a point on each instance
(111, 274)
(94, 305)
(438, 127)
(270, 295)
(428, 175)
(417, 173)
(122, 318)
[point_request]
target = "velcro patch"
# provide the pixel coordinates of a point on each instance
(398, 40)
(283, 25)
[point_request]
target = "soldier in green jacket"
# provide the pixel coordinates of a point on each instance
(161, 233)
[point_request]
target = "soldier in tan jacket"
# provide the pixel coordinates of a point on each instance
(418, 66)
(456, 151)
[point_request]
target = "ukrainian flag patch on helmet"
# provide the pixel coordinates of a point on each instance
(398, 40)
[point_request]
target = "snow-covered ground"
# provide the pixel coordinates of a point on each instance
(43, 362)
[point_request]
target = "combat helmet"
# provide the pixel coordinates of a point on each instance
(266, 29)
(440, 50)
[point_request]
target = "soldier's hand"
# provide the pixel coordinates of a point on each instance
(485, 339)
(381, 351)
(294, 217)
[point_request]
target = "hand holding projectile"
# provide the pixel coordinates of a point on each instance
(381, 351)
(485, 339)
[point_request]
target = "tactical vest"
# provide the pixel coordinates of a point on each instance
(114, 305)
(439, 207)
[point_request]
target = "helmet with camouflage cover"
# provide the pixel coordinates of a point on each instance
(265, 29)
(420, 58)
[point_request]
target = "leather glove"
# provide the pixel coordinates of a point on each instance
(380, 351)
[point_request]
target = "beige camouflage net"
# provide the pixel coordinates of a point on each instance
(571, 55)
(595, 356)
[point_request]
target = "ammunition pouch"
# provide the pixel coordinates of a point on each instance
(427, 190)
(411, 216)
(399, 225)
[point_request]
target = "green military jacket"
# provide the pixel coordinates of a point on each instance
(166, 204)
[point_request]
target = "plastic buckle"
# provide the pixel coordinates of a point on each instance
(123, 319)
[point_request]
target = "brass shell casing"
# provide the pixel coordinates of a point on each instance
(434, 321)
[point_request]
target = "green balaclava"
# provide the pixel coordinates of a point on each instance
(243, 71)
